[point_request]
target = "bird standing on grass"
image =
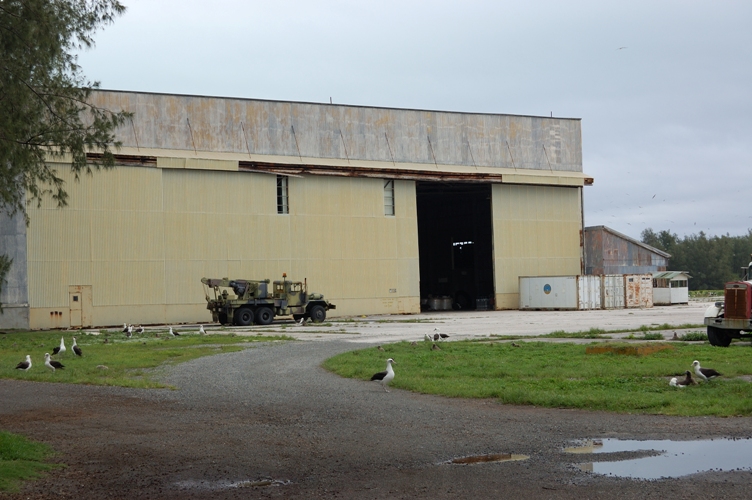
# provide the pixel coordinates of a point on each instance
(201, 330)
(61, 349)
(52, 365)
(24, 365)
(386, 376)
(704, 373)
(426, 337)
(76, 349)
(173, 333)
(140, 329)
(129, 331)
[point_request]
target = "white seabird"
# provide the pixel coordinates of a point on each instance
(673, 383)
(441, 335)
(76, 349)
(125, 327)
(24, 365)
(201, 330)
(386, 376)
(173, 333)
(140, 329)
(129, 331)
(61, 349)
(704, 373)
(426, 337)
(52, 365)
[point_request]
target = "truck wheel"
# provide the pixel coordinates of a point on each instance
(244, 316)
(718, 337)
(222, 317)
(264, 316)
(318, 314)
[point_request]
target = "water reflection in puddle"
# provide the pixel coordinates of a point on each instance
(675, 458)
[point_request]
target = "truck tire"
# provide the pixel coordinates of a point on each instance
(318, 314)
(719, 337)
(222, 317)
(244, 316)
(264, 316)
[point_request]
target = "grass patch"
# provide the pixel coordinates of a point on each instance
(134, 362)
(593, 333)
(694, 337)
(21, 459)
(563, 375)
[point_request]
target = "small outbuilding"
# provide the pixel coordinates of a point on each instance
(671, 287)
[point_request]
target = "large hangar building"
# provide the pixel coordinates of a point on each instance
(376, 208)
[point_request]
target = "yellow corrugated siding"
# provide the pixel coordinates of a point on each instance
(143, 238)
(536, 233)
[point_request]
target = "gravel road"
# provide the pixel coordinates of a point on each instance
(269, 422)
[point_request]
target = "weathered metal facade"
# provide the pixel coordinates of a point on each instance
(610, 252)
(194, 195)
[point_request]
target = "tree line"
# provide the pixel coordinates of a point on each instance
(711, 261)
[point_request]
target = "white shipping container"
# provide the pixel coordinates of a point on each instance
(548, 292)
(613, 291)
(560, 292)
(588, 292)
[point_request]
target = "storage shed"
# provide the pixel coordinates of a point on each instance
(671, 287)
(377, 208)
(608, 251)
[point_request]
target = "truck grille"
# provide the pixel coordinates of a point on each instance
(737, 301)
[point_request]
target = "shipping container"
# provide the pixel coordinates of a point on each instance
(560, 292)
(638, 290)
(613, 291)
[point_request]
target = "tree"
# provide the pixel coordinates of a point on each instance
(44, 110)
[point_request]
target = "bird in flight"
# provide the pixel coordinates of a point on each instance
(621, 48)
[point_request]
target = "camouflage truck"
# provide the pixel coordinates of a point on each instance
(247, 302)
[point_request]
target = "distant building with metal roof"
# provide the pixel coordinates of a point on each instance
(671, 287)
(608, 251)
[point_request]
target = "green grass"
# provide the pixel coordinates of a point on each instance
(593, 333)
(563, 375)
(694, 337)
(21, 459)
(134, 362)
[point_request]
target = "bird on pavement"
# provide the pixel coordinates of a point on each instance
(76, 349)
(704, 373)
(61, 349)
(386, 376)
(442, 336)
(24, 365)
(52, 365)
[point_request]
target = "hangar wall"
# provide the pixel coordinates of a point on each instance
(142, 238)
(536, 233)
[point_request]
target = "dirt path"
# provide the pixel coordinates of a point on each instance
(268, 422)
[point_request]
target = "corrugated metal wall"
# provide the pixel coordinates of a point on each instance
(536, 233)
(144, 237)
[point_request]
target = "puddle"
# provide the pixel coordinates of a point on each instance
(668, 458)
(227, 484)
(493, 457)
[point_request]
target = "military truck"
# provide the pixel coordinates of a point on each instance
(728, 319)
(246, 302)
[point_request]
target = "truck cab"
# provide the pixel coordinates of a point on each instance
(731, 318)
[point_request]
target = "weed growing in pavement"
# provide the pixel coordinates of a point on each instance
(694, 337)
(560, 375)
(593, 333)
(646, 336)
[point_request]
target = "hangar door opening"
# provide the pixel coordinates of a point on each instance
(455, 244)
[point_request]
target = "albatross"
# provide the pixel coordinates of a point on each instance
(440, 335)
(61, 349)
(52, 365)
(76, 349)
(704, 373)
(24, 365)
(201, 330)
(687, 380)
(386, 376)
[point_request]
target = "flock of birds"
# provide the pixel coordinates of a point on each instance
(704, 374)
(51, 363)
(60, 350)
(385, 377)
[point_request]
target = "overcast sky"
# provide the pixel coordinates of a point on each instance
(664, 88)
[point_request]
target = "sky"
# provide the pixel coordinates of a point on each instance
(664, 89)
